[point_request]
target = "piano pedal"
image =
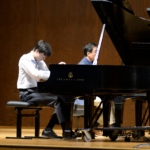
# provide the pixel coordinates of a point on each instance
(127, 136)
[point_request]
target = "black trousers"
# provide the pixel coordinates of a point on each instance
(41, 99)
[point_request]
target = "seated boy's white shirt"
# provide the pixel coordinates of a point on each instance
(31, 71)
(81, 102)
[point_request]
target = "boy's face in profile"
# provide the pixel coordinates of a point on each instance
(39, 56)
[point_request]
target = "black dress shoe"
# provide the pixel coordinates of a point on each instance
(73, 136)
(50, 134)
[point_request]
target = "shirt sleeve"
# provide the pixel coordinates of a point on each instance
(44, 68)
(33, 71)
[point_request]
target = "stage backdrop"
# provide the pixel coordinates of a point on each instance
(67, 25)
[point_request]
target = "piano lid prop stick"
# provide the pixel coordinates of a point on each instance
(99, 45)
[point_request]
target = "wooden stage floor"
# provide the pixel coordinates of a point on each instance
(102, 143)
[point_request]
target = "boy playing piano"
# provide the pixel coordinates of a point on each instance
(32, 68)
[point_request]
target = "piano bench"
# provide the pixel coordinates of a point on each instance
(19, 106)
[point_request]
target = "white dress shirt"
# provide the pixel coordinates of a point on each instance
(31, 71)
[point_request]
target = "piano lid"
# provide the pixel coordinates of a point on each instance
(129, 33)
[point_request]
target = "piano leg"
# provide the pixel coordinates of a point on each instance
(119, 107)
(149, 113)
(88, 113)
(105, 114)
(138, 113)
(68, 112)
(138, 120)
(119, 115)
(148, 100)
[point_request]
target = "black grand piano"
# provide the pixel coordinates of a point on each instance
(130, 35)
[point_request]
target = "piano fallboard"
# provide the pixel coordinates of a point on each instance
(96, 80)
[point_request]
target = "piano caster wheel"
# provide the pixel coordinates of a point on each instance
(113, 135)
(136, 134)
(86, 136)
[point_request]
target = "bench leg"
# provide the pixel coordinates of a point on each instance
(37, 124)
(19, 122)
(18, 131)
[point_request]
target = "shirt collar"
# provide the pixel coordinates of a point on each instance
(90, 63)
(32, 58)
(31, 55)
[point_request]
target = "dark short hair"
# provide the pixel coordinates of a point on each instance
(88, 48)
(43, 47)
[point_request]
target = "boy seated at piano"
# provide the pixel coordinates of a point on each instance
(89, 51)
(32, 68)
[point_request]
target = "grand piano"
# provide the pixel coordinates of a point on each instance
(130, 35)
